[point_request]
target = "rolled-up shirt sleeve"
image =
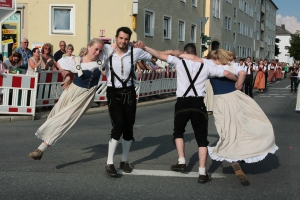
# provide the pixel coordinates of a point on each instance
(67, 63)
(173, 60)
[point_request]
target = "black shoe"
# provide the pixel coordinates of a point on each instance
(126, 167)
(204, 178)
(178, 167)
(111, 170)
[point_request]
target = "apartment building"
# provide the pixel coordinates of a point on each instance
(284, 37)
(245, 27)
(168, 24)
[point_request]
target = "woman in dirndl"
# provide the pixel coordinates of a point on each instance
(260, 77)
(77, 97)
(278, 74)
(272, 69)
(298, 96)
(245, 132)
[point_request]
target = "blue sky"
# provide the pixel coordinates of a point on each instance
(288, 13)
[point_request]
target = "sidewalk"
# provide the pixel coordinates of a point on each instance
(95, 109)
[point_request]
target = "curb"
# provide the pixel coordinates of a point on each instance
(90, 111)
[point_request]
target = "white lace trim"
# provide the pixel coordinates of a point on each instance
(247, 160)
(37, 135)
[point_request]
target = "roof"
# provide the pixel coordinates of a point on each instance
(274, 4)
(282, 31)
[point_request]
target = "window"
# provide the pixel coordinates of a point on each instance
(216, 8)
(62, 20)
(227, 22)
(167, 27)
(257, 35)
(194, 3)
(234, 14)
(227, 46)
(181, 29)
(234, 39)
(229, 1)
(183, 1)
(240, 28)
(193, 33)
(149, 23)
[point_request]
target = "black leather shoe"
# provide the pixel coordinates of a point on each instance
(126, 167)
(178, 167)
(111, 170)
(204, 178)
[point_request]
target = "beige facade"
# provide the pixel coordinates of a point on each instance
(50, 21)
(245, 27)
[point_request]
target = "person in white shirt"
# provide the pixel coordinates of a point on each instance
(191, 77)
(121, 97)
(249, 69)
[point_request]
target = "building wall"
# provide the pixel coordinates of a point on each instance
(108, 16)
(176, 10)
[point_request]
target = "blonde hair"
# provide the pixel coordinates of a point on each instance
(83, 51)
(221, 55)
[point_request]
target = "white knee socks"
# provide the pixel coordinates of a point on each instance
(112, 146)
(126, 147)
(43, 147)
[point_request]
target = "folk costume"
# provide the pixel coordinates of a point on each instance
(245, 131)
(298, 97)
(260, 78)
(121, 99)
(209, 97)
(74, 101)
(249, 78)
(272, 69)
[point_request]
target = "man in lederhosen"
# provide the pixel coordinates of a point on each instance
(121, 97)
(191, 77)
(249, 69)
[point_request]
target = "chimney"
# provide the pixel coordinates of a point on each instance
(283, 26)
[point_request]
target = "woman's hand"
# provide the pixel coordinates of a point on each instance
(65, 73)
(66, 84)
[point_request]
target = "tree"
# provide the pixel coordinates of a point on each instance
(294, 49)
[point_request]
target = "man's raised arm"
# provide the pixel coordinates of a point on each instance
(158, 54)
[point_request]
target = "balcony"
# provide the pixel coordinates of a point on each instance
(262, 44)
(262, 26)
(263, 9)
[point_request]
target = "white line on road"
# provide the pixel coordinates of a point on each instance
(141, 172)
(265, 96)
(279, 96)
(273, 94)
(288, 86)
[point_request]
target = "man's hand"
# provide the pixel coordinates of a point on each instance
(238, 86)
(65, 73)
(139, 44)
(65, 85)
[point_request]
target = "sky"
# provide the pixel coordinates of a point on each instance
(288, 13)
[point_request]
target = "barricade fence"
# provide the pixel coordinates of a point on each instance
(21, 94)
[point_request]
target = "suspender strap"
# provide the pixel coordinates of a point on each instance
(192, 86)
(78, 68)
(131, 74)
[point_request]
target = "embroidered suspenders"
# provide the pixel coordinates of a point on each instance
(131, 75)
(192, 82)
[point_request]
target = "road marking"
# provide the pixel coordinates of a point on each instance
(288, 86)
(273, 94)
(286, 94)
(279, 96)
(265, 96)
(141, 172)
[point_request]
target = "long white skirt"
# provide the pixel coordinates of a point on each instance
(209, 97)
(245, 131)
(298, 99)
(66, 112)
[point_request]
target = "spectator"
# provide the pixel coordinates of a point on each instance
(48, 61)
(162, 64)
(25, 53)
(13, 62)
(58, 55)
(152, 64)
(83, 51)
(34, 62)
(294, 77)
(69, 51)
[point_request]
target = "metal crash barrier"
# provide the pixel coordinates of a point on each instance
(21, 94)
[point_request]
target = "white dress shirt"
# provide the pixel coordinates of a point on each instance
(209, 69)
(122, 65)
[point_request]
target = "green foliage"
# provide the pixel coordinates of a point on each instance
(294, 49)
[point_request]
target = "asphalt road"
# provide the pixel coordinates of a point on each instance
(74, 167)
